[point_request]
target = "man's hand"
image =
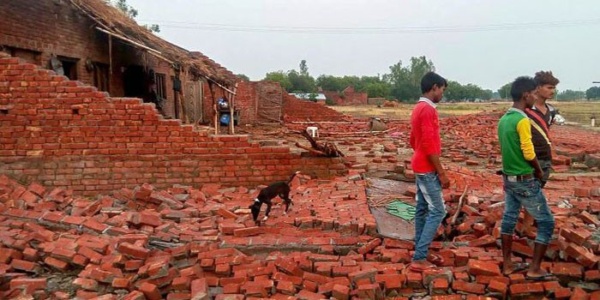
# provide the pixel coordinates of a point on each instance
(444, 180)
(539, 174)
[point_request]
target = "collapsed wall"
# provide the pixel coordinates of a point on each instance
(66, 134)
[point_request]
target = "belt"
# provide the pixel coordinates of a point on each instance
(517, 178)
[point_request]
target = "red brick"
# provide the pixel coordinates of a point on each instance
(579, 293)
(572, 271)
(369, 291)
(245, 232)
(23, 265)
(340, 292)
(526, 289)
(232, 297)
(477, 267)
(308, 295)
(95, 225)
(468, 287)
(6, 255)
(150, 291)
(151, 219)
(231, 288)
(120, 283)
(56, 263)
(29, 284)
(368, 273)
(199, 287)
(563, 293)
(370, 246)
(226, 213)
(86, 284)
(181, 283)
(577, 236)
(93, 256)
(498, 287)
(133, 251)
(64, 254)
(286, 287)
(391, 281)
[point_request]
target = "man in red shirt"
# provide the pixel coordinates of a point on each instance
(430, 175)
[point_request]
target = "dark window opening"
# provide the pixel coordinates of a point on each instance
(101, 77)
(161, 86)
(4, 111)
(75, 111)
(135, 82)
(69, 66)
(29, 56)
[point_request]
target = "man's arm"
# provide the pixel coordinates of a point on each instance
(524, 131)
(434, 159)
(428, 131)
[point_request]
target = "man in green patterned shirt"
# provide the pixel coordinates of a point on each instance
(522, 175)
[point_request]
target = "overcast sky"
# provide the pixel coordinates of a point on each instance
(485, 42)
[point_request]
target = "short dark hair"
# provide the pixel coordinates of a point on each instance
(430, 79)
(521, 86)
(543, 77)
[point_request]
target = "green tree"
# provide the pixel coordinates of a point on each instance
(301, 83)
(131, 12)
(330, 83)
(570, 95)
(504, 91)
(593, 93)
(281, 77)
(378, 90)
(406, 80)
(243, 77)
(303, 68)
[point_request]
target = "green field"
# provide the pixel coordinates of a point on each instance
(579, 112)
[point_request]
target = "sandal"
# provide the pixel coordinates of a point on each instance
(419, 268)
(518, 267)
(545, 277)
(435, 259)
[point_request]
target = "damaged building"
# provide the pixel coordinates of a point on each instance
(97, 44)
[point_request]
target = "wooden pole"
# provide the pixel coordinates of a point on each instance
(110, 63)
(232, 110)
(185, 118)
(216, 111)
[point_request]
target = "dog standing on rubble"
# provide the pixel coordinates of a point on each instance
(281, 189)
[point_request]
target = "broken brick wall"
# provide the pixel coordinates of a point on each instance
(63, 133)
(297, 110)
(35, 30)
(347, 97)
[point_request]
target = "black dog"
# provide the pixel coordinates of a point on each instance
(281, 189)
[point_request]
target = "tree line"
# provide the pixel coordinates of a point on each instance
(401, 83)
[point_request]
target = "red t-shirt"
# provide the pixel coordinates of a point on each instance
(424, 136)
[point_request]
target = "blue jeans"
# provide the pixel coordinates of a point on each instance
(527, 193)
(546, 166)
(429, 213)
